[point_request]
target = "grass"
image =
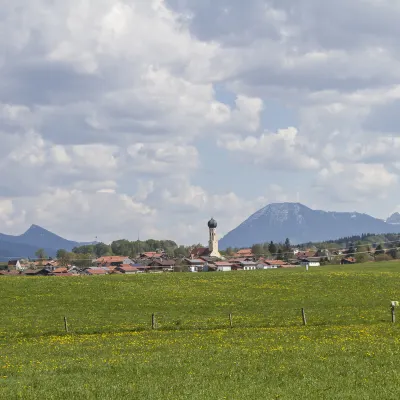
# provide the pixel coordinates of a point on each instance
(348, 350)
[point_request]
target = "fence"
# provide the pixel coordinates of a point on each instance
(71, 323)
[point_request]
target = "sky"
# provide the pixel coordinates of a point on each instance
(121, 118)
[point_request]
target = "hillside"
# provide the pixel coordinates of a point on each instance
(36, 237)
(301, 224)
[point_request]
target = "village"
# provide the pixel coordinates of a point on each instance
(201, 259)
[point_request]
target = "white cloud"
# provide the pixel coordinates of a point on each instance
(356, 182)
(110, 110)
(282, 150)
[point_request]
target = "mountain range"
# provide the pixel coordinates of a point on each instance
(301, 224)
(25, 245)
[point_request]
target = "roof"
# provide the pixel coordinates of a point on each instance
(200, 252)
(13, 262)
(209, 259)
(194, 260)
(275, 262)
(97, 271)
(4, 272)
(305, 254)
(127, 268)
(151, 254)
(60, 271)
(244, 252)
(110, 259)
(248, 263)
(164, 263)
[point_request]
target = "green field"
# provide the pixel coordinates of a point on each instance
(348, 350)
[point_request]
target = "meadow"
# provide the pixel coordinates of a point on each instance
(348, 350)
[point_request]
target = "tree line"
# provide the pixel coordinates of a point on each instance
(81, 256)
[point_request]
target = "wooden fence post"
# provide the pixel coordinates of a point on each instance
(393, 315)
(66, 324)
(230, 320)
(303, 314)
(153, 321)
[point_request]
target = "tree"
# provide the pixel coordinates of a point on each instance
(287, 246)
(121, 247)
(64, 257)
(351, 250)
(379, 250)
(40, 254)
(102, 249)
(272, 248)
(229, 251)
(280, 255)
(393, 253)
(85, 249)
(257, 250)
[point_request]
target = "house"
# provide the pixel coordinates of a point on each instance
(37, 272)
(274, 264)
(305, 254)
(61, 270)
(74, 270)
(348, 260)
(194, 264)
(310, 262)
(244, 253)
(200, 252)
(265, 265)
(162, 265)
(236, 267)
(9, 273)
(151, 255)
(248, 265)
(113, 260)
(127, 269)
(96, 271)
(223, 266)
(15, 264)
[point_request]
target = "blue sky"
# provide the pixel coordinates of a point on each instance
(153, 115)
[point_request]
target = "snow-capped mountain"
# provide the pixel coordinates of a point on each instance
(394, 219)
(301, 224)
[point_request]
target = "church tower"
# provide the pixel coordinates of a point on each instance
(213, 241)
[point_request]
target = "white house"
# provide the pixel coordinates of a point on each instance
(266, 266)
(194, 264)
(309, 262)
(223, 266)
(248, 265)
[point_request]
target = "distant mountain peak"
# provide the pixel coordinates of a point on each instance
(394, 219)
(31, 240)
(301, 224)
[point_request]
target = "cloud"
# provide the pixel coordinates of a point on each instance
(282, 150)
(356, 182)
(112, 111)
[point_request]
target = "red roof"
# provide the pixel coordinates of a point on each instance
(244, 252)
(95, 271)
(151, 254)
(127, 268)
(111, 259)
